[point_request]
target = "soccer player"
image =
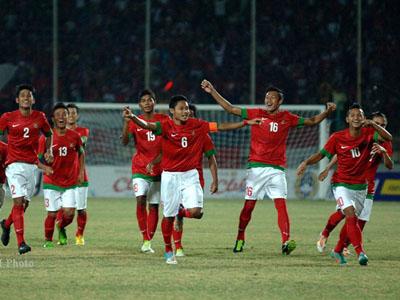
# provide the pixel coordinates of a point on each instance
(68, 168)
(82, 189)
(182, 146)
(209, 151)
(3, 157)
(23, 127)
(379, 151)
(267, 159)
(352, 147)
(146, 185)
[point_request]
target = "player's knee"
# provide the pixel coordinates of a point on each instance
(81, 211)
(141, 200)
(197, 213)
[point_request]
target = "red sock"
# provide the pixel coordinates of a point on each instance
(66, 220)
(9, 220)
(354, 234)
(333, 220)
(152, 221)
(81, 219)
(361, 224)
(342, 242)
(244, 218)
(141, 216)
(177, 235)
(283, 218)
(166, 227)
(49, 227)
(184, 212)
(18, 219)
(59, 216)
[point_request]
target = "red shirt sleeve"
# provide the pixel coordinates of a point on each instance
(3, 123)
(42, 146)
(46, 129)
(293, 119)
(329, 149)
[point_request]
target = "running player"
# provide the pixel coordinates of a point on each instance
(352, 147)
(82, 189)
(146, 185)
(23, 127)
(379, 151)
(68, 167)
(182, 148)
(267, 159)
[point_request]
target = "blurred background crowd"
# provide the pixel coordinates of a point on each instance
(307, 48)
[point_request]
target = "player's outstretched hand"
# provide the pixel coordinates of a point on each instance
(330, 107)
(255, 121)
(207, 86)
(47, 170)
(376, 148)
(127, 113)
(323, 175)
(214, 187)
(301, 168)
(81, 178)
(48, 157)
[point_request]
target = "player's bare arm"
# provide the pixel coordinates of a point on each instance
(325, 172)
(45, 168)
(330, 107)
(155, 161)
(127, 113)
(212, 164)
(48, 156)
(125, 126)
(81, 176)
(378, 149)
(384, 135)
(226, 105)
(237, 125)
(313, 159)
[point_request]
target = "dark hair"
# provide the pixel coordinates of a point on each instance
(194, 109)
(24, 86)
(379, 114)
(175, 99)
(275, 89)
(353, 106)
(71, 105)
(58, 106)
(147, 92)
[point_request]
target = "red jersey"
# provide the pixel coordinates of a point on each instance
(66, 149)
(208, 150)
(373, 164)
(182, 145)
(352, 153)
(268, 140)
(84, 134)
(3, 157)
(23, 135)
(148, 146)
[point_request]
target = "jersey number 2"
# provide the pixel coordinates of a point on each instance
(26, 132)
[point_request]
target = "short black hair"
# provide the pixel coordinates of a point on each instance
(147, 92)
(272, 88)
(379, 114)
(72, 105)
(24, 86)
(193, 108)
(353, 106)
(58, 106)
(175, 99)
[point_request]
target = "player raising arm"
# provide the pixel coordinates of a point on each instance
(182, 145)
(267, 159)
(23, 127)
(352, 147)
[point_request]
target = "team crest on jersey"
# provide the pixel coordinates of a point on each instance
(283, 122)
(71, 145)
(35, 125)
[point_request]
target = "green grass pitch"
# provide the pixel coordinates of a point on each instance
(110, 265)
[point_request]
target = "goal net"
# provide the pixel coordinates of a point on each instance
(108, 158)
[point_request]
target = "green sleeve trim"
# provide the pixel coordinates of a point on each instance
(326, 153)
(158, 130)
(376, 136)
(47, 186)
(40, 155)
(130, 135)
(300, 122)
(1, 132)
(253, 164)
(356, 187)
(210, 153)
(147, 177)
(370, 196)
(81, 150)
(84, 184)
(244, 113)
(48, 134)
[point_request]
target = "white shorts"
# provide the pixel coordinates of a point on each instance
(150, 189)
(2, 195)
(21, 179)
(365, 213)
(346, 197)
(54, 200)
(265, 181)
(180, 188)
(81, 197)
